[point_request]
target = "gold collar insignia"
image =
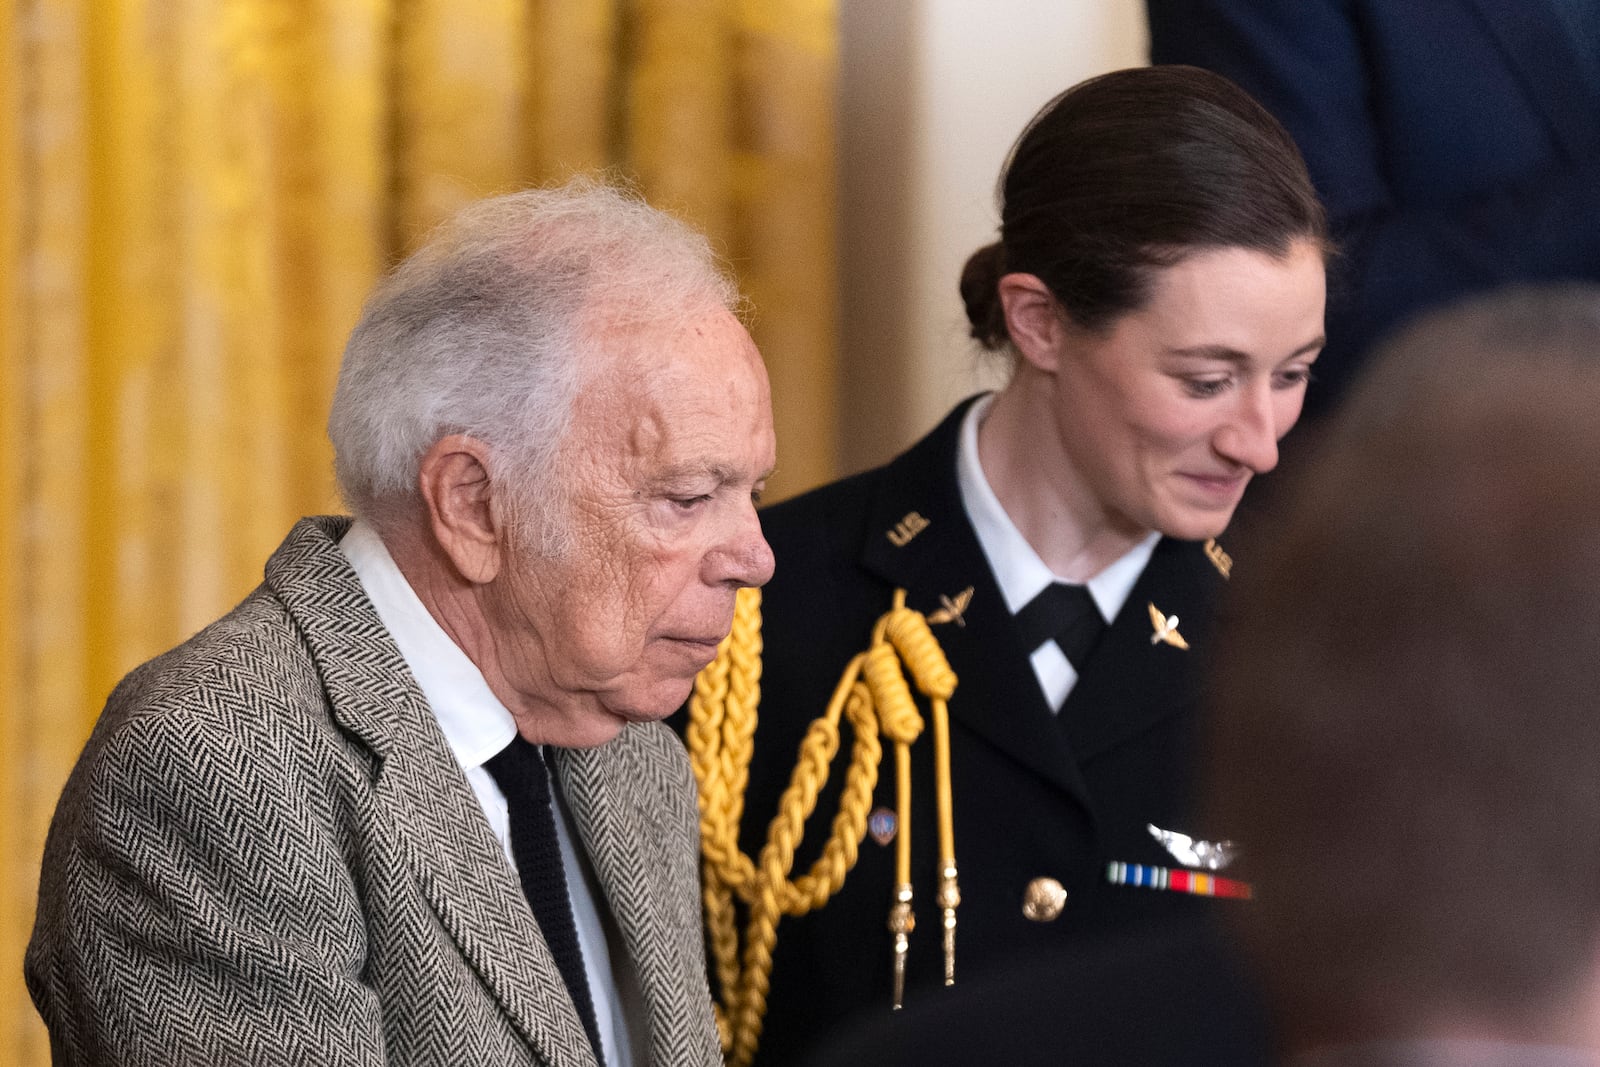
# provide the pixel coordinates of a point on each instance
(1219, 559)
(1166, 629)
(906, 529)
(952, 610)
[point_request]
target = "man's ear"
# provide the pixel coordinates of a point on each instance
(454, 481)
(1034, 319)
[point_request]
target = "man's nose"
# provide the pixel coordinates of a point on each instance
(746, 558)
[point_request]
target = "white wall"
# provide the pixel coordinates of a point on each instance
(932, 93)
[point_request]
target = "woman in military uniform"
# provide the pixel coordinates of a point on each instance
(1158, 289)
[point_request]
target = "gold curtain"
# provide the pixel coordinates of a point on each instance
(195, 195)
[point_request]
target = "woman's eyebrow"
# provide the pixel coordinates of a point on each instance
(1234, 355)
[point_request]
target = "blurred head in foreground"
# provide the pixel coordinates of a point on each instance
(1408, 710)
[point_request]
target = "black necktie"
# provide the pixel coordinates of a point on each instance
(520, 772)
(1065, 614)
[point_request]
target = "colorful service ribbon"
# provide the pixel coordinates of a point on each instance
(1177, 880)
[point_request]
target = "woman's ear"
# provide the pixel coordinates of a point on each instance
(1034, 318)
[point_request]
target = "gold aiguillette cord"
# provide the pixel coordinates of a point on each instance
(910, 634)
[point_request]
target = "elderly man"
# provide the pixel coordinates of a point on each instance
(1408, 712)
(321, 830)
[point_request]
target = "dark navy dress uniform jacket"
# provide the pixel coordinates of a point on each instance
(1033, 796)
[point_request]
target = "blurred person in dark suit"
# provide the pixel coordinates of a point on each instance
(1456, 143)
(1164, 996)
(1407, 723)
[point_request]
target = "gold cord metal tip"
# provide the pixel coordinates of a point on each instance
(949, 899)
(901, 923)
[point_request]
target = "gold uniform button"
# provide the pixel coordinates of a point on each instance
(1043, 900)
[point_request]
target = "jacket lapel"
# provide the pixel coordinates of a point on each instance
(942, 558)
(1538, 48)
(626, 841)
(477, 897)
(419, 789)
(1132, 682)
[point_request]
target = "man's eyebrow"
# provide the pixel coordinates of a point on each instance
(1233, 355)
(721, 472)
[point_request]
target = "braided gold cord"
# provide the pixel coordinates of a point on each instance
(873, 695)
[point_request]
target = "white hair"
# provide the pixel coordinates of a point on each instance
(490, 329)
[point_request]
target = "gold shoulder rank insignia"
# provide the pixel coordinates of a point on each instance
(906, 529)
(1219, 559)
(1166, 629)
(952, 610)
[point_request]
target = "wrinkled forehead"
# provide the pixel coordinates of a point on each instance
(653, 384)
(705, 343)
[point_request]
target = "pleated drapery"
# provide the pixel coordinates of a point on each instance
(195, 197)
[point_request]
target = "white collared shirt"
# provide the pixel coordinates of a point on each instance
(1019, 571)
(477, 726)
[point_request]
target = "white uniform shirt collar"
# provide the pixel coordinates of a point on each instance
(1017, 568)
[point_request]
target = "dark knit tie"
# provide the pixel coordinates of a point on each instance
(520, 772)
(1065, 614)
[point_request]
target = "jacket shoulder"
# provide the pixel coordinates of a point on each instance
(253, 652)
(834, 514)
(241, 699)
(840, 513)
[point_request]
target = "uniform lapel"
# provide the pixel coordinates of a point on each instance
(1132, 682)
(1538, 48)
(942, 558)
(420, 792)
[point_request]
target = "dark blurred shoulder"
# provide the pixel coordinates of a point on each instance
(1177, 996)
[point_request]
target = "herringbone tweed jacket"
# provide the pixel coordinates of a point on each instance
(268, 855)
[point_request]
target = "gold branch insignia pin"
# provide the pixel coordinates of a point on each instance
(1219, 559)
(1166, 629)
(952, 610)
